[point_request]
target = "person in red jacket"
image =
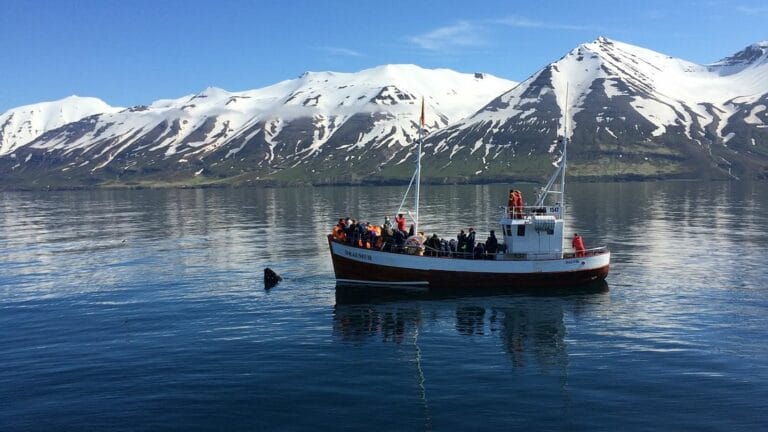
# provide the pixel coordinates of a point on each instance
(400, 222)
(578, 245)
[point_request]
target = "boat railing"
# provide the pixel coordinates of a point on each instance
(428, 251)
(586, 253)
(521, 212)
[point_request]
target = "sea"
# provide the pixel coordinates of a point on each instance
(146, 310)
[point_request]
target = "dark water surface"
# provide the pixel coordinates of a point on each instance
(145, 310)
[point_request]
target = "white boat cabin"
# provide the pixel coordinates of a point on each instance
(533, 232)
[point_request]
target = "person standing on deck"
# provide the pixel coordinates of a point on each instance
(578, 245)
(517, 204)
(492, 243)
(471, 240)
(462, 242)
(400, 220)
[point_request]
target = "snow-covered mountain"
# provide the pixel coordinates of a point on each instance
(630, 111)
(20, 126)
(316, 116)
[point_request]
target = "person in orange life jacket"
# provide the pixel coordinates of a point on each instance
(373, 234)
(400, 220)
(578, 245)
(338, 231)
(517, 203)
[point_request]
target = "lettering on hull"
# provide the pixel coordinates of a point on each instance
(358, 255)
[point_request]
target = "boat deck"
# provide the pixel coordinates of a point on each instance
(499, 256)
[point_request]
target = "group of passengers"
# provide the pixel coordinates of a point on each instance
(382, 237)
(394, 238)
(466, 246)
(360, 234)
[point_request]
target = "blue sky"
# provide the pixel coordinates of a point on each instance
(134, 52)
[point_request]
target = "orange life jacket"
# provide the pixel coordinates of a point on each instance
(517, 204)
(578, 245)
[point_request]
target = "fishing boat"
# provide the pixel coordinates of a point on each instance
(532, 254)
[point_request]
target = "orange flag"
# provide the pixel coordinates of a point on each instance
(422, 112)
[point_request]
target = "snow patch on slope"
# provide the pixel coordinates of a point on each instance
(19, 126)
(203, 122)
(752, 118)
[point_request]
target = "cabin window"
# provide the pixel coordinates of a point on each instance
(508, 228)
(521, 230)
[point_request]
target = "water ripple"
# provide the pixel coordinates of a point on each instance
(146, 310)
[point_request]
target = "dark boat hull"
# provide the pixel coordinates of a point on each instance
(354, 270)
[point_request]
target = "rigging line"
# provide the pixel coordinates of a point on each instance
(402, 203)
(564, 164)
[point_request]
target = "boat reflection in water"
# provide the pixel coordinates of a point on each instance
(450, 342)
(350, 293)
(524, 321)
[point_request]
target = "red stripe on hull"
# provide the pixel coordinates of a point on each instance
(351, 270)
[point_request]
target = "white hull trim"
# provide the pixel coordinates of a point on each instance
(414, 262)
(404, 284)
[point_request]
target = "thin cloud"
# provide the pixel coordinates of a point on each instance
(472, 34)
(341, 52)
(523, 22)
(463, 34)
(750, 10)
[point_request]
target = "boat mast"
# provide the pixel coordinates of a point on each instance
(565, 156)
(418, 169)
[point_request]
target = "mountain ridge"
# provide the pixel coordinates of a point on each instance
(632, 113)
(622, 96)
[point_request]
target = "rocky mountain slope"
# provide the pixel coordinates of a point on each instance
(324, 126)
(631, 113)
